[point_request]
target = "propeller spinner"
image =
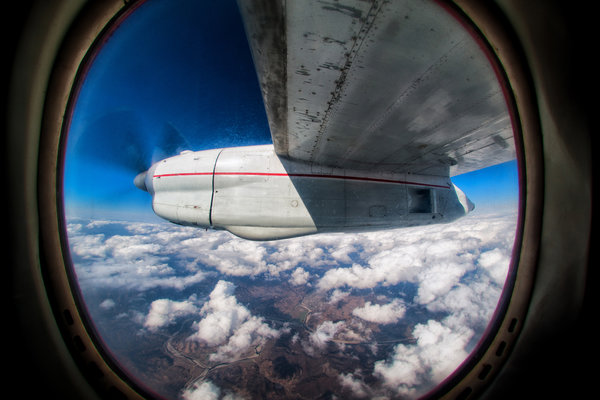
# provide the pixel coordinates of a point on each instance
(140, 181)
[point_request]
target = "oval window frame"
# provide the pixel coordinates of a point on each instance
(93, 22)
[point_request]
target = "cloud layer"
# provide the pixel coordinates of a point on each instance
(457, 272)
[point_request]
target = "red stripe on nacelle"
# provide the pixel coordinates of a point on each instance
(322, 176)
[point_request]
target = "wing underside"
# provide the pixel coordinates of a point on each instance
(398, 86)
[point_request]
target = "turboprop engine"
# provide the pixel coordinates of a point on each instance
(255, 194)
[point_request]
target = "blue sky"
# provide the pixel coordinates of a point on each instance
(185, 70)
(492, 187)
(187, 66)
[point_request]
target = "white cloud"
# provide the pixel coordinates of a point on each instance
(202, 391)
(357, 387)
(164, 312)
(88, 246)
(222, 315)
(107, 304)
(433, 257)
(140, 275)
(320, 337)
(140, 261)
(250, 334)
(337, 295)
(381, 314)
(414, 368)
(438, 279)
(238, 258)
(207, 390)
(496, 262)
(229, 325)
(325, 332)
(299, 277)
(131, 247)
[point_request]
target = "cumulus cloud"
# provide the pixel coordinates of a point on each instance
(141, 260)
(107, 304)
(207, 390)
(223, 314)
(130, 247)
(355, 386)
(299, 277)
(229, 325)
(87, 246)
(238, 258)
(202, 391)
(337, 295)
(435, 258)
(164, 312)
(496, 261)
(438, 279)
(439, 350)
(320, 337)
(381, 313)
(324, 333)
(140, 275)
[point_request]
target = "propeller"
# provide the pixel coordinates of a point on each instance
(169, 143)
(117, 148)
(120, 140)
(115, 140)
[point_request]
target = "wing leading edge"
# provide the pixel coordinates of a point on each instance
(396, 86)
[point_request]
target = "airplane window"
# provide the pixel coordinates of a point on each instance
(208, 308)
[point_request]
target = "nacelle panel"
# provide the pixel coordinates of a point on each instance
(252, 189)
(182, 187)
(254, 194)
(185, 207)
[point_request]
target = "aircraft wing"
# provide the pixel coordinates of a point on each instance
(396, 86)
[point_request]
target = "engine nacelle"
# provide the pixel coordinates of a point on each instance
(255, 194)
(182, 187)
